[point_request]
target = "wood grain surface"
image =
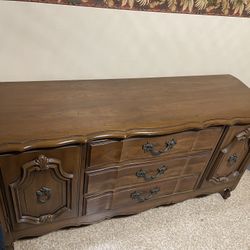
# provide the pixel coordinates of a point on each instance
(129, 145)
(44, 114)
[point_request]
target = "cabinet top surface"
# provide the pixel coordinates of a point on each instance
(126, 107)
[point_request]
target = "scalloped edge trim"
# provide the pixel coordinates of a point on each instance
(115, 134)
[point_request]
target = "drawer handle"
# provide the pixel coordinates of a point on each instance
(142, 173)
(43, 194)
(225, 179)
(138, 196)
(150, 147)
(232, 159)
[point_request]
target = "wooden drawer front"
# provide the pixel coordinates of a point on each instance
(110, 152)
(143, 193)
(116, 177)
(41, 185)
(234, 152)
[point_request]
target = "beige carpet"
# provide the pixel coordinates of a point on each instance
(205, 223)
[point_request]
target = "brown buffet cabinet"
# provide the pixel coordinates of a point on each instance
(78, 152)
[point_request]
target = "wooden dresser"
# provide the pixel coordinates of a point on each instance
(78, 152)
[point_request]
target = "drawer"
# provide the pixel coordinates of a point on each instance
(143, 193)
(107, 152)
(116, 177)
(41, 186)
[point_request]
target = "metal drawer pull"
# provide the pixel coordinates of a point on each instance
(150, 147)
(43, 194)
(225, 179)
(232, 159)
(142, 173)
(138, 196)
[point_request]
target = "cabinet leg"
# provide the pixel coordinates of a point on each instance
(226, 193)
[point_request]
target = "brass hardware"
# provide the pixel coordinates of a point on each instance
(150, 147)
(138, 196)
(232, 159)
(142, 173)
(225, 179)
(43, 194)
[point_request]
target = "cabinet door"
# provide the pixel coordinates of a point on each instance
(233, 156)
(41, 186)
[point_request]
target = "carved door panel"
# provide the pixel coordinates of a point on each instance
(234, 152)
(41, 186)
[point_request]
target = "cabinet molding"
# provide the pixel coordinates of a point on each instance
(78, 152)
(20, 189)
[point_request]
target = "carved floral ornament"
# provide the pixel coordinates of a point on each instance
(206, 7)
(20, 189)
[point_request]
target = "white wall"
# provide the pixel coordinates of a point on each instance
(43, 42)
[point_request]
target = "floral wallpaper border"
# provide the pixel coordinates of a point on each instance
(201, 7)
